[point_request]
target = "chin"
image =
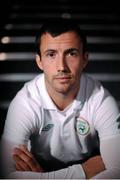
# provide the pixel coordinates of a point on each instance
(63, 90)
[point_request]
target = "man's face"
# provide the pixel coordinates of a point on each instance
(62, 61)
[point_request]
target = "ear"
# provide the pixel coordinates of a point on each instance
(85, 59)
(39, 62)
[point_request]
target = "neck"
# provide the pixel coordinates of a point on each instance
(62, 100)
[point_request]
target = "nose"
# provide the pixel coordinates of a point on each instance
(61, 64)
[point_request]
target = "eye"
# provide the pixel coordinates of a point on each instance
(72, 53)
(50, 54)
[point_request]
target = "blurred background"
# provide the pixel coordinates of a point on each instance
(21, 19)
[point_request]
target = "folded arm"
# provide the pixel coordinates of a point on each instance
(106, 166)
(24, 161)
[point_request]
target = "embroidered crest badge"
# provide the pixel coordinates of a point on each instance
(82, 126)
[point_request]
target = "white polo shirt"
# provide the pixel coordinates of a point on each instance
(63, 138)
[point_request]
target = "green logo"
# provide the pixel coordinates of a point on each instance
(82, 126)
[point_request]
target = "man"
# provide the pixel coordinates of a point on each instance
(62, 124)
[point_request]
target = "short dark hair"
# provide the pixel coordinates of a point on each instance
(57, 27)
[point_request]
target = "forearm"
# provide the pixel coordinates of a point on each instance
(108, 174)
(72, 172)
(110, 150)
(93, 166)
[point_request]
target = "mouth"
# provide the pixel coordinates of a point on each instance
(63, 79)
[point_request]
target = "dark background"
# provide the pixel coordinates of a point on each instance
(22, 18)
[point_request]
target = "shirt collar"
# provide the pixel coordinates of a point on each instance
(47, 102)
(81, 96)
(45, 99)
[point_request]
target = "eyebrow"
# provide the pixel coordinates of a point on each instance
(49, 50)
(65, 52)
(71, 49)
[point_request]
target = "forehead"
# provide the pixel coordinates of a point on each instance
(64, 39)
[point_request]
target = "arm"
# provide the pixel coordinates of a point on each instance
(10, 171)
(25, 161)
(31, 169)
(107, 124)
(93, 166)
(110, 151)
(72, 172)
(19, 125)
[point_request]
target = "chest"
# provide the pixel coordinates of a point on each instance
(65, 137)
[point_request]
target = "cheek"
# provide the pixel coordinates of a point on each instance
(48, 68)
(76, 66)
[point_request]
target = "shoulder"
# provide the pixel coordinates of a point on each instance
(98, 99)
(30, 90)
(103, 107)
(27, 99)
(25, 110)
(93, 88)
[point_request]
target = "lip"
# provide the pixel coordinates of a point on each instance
(63, 77)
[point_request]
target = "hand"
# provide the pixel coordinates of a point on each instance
(93, 166)
(24, 160)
